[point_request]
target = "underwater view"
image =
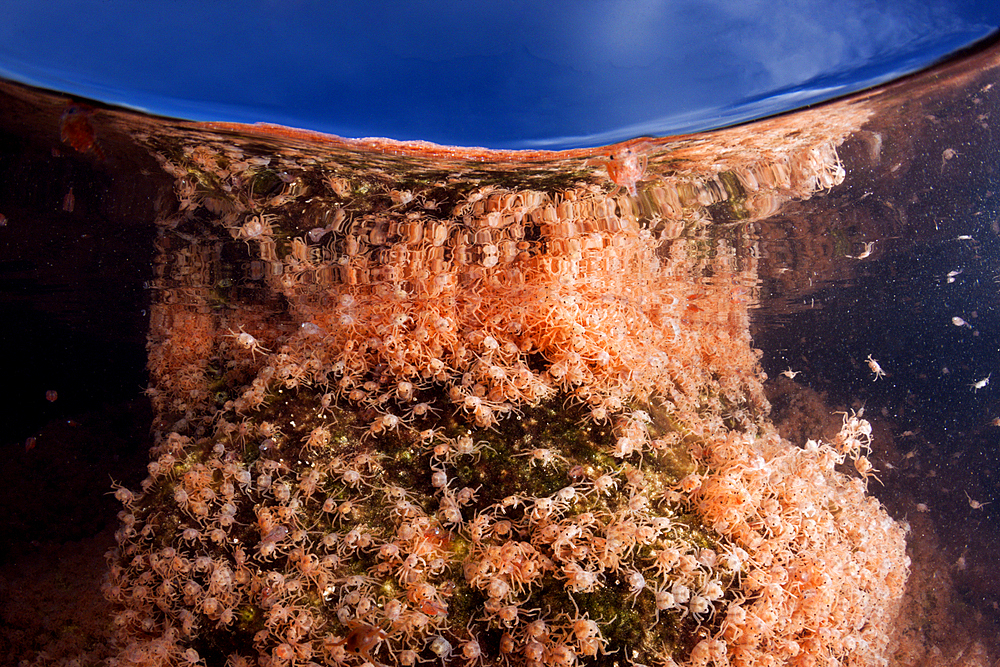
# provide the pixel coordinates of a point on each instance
(275, 397)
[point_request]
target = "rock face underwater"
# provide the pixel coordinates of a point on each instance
(420, 404)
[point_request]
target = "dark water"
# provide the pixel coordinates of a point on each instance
(924, 304)
(876, 268)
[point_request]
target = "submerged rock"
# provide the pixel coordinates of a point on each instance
(415, 406)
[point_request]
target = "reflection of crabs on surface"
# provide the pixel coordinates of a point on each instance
(625, 168)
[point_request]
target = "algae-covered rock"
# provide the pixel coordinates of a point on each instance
(416, 407)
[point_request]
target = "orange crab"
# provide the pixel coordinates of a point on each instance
(76, 130)
(626, 168)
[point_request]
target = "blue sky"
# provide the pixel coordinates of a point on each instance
(499, 74)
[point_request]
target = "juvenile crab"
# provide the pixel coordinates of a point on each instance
(248, 342)
(256, 227)
(876, 369)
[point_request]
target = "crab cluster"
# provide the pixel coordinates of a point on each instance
(479, 422)
(298, 558)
